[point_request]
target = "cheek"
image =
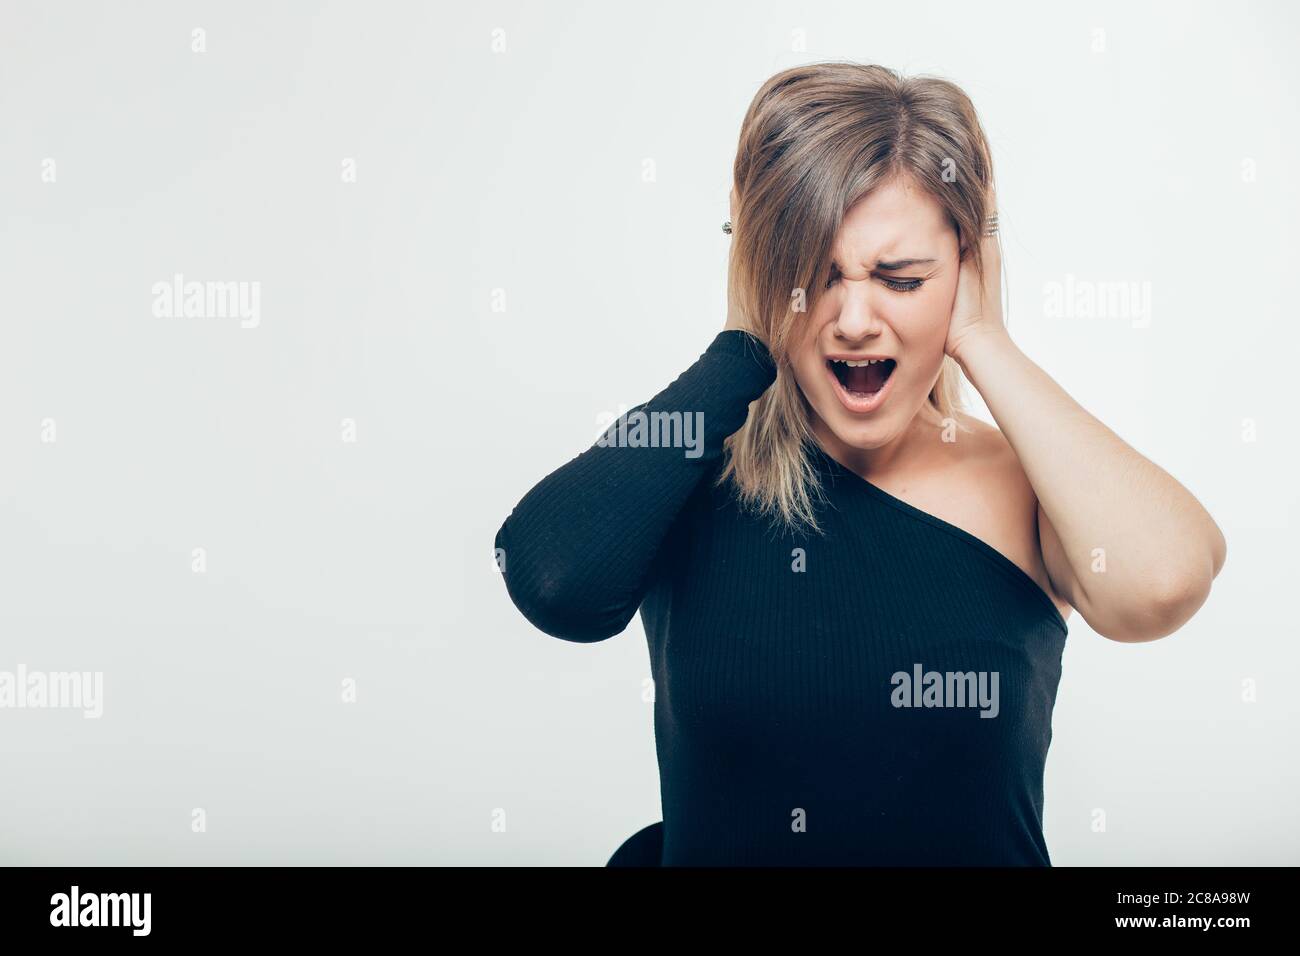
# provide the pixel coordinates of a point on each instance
(923, 318)
(809, 370)
(806, 365)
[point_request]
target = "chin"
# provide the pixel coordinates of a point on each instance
(859, 436)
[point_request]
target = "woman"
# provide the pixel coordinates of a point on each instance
(855, 594)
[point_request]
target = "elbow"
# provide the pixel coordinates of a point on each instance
(561, 605)
(1218, 551)
(1164, 609)
(562, 611)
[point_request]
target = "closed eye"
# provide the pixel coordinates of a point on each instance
(898, 285)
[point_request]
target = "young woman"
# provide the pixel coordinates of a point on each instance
(855, 594)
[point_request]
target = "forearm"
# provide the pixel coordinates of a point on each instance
(577, 549)
(1140, 546)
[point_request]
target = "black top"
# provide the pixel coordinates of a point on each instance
(782, 661)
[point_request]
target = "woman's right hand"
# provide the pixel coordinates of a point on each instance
(734, 318)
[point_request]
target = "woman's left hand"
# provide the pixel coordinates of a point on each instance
(973, 313)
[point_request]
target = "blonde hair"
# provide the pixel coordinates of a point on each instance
(815, 139)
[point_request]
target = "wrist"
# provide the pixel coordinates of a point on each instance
(742, 343)
(971, 350)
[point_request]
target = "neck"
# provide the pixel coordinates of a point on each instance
(897, 453)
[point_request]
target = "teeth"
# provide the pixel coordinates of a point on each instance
(852, 364)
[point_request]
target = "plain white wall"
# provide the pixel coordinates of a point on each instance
(1158, 151)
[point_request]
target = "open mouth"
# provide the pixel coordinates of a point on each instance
(861, 378)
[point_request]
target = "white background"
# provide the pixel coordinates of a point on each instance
(1120, 156)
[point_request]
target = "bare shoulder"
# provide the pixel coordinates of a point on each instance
(991, 476)
(1000, 501)
(989, 453)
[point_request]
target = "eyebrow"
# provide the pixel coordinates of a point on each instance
(895, 265)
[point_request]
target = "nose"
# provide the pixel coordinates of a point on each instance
(857, 320)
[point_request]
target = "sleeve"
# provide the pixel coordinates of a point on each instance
(576, 552)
